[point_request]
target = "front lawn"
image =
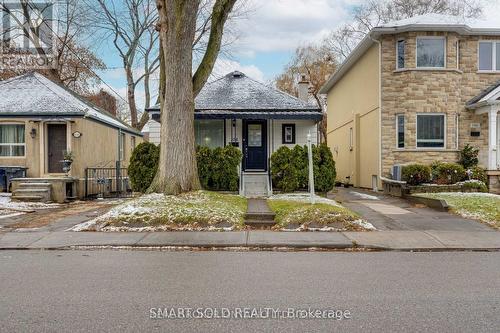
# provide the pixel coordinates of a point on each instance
(296, 213)
(480, 206)
(200, 210)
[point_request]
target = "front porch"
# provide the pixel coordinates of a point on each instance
(488, 103)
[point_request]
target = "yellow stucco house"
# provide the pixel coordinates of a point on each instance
(40, 121)
(416, 90)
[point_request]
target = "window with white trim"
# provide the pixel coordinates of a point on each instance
(489, 56)
(430, 130)
(122, 146)
(400, 54)
(400, 130)
(431, 52)
(12, 140)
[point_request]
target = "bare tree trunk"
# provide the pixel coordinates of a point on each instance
(177, 169)
(131, 95)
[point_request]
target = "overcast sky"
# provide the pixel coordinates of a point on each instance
(270, 33)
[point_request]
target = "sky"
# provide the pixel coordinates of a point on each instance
(269, 35)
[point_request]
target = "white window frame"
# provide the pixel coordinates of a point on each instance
(397, 53)
(122, 139)
(444, 130)
(494, 68)
(397, 130)
(10, 145)
(430, 37)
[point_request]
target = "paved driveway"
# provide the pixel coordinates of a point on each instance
(391, 213)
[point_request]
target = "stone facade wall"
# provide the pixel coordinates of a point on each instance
(410, 91)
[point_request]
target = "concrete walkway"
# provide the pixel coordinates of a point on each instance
(384, 240)
(391, 213)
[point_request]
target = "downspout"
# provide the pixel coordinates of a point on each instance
(379, 106)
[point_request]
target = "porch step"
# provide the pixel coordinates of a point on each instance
(255, 184)
(36, 191)
(259, 214)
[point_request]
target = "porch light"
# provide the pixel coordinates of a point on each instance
(33, 133)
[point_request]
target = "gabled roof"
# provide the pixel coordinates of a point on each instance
(237, 93)
(35, 95)
(490, 95)
(427, 22)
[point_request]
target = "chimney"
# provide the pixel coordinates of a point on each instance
(303, 88)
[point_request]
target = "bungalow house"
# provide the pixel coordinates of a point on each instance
(416, 90)
(237, 110)
(40, 121)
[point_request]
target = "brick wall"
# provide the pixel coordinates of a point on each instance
(411, 91)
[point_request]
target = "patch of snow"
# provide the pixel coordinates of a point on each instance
(84, 226)
(364, 224)
(465, 194)
(304, 197)
(364, 195)
(7, 203)
(10, 215)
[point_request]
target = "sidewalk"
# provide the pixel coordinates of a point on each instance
(381, 240)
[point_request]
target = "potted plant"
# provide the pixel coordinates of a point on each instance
(68, 158)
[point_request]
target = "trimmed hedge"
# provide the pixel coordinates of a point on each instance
(416, 174)
(218, 168)
(143, 166)
(290, 168)
(447, 173)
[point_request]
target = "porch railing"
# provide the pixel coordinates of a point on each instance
(107, 182)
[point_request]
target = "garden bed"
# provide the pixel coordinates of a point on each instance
(294, 212)
(480, 206)
(194, 211)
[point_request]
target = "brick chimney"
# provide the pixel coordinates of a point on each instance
(303, 87)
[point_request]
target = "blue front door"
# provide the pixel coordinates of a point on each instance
(255, 145)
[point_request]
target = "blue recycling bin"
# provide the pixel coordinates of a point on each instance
(7, 173)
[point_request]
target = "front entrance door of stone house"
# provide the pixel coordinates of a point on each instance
(56, 145)
(255, 145)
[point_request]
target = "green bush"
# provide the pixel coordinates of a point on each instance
(283, 170)
(416, 174)
(218, 168)
(468, 157)
(290, 168)
(143, 166)
(478, 186)
(324, 168)
(448, 173)
(478, 173)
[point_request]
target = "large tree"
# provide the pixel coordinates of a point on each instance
(316, 63)
(177, 170)
(375, 12)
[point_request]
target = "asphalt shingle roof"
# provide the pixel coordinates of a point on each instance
(238, 92)
(483, 93)
(33, 94)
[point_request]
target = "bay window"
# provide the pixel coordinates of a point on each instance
(431, 52)
(209, 133)
(12, 140)
(430, 130)
(489, 56)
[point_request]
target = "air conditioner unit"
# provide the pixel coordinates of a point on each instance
(396, 172)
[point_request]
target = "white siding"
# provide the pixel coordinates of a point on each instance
(152, 129)
(302, 127)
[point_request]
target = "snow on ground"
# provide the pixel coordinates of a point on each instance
(304, 197)
(465, 194)
(7, 204)
(363, 195)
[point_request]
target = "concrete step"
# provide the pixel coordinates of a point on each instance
(259, 223)
(34, 185)
(30, 198)
(268, 216)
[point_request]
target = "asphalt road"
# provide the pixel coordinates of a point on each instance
(114, 290)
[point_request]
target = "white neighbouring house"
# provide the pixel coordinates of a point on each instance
(237, 110)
